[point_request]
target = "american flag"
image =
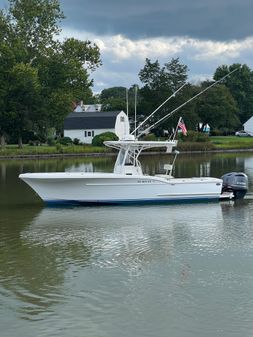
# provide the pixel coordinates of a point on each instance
(182, 126)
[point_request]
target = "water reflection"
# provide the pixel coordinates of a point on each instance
(36, 254)
(162, 270)
(61, 239)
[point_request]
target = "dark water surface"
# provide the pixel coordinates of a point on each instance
(181, 270)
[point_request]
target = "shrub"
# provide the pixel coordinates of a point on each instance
(99, 140)
(31, 143)
(51, 141)
(59, 148)
(65, 141)
(196, 146)
(76, 141)
(149, 137)
(195, 136)
(216, 132)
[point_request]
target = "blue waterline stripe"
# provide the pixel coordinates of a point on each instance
(129, 202)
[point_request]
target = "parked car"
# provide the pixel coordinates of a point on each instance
(242, 133)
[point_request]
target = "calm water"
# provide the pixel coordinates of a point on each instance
(170, 270)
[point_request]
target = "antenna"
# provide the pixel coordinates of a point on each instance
(127, 101)
(135, 111)
(189, 100)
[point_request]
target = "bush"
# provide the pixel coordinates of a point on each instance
(31, 143)
(196, 146)
(149, 137)
(65, 141)
(195, 136)
(76, 141)
(59, 148)
(216, 132)
(99, 140)
(51, 141)
(34, 142)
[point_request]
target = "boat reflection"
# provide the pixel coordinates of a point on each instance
(125, 237)
(58, 244)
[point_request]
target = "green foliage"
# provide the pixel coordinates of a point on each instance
(35, 23)
(65, 141)
(216, 132)
(82, 52)
(240, 85)
(115, 98)
(51, 141)
(195, 137)
(99, 140)
(40, 76)
(160, 82)
(59, 148)
(196, 146)
(76, 141)
(22, 98)
(217, 107)
(149, 137)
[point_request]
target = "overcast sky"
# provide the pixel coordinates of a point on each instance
(202, 33)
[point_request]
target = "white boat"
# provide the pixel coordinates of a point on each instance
(126, 185)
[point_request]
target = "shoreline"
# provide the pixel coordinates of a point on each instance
(108, 154)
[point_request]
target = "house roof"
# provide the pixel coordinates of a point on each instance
(90, 120)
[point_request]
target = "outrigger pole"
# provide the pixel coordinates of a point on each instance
(143, 122)
(182, 105)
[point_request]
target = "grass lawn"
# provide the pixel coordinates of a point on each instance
(232, 142)
(13, 150)
(216, 143)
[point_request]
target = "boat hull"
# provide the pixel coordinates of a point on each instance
(111, 188)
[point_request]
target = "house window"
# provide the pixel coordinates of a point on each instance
(89, 134)
(122, 119)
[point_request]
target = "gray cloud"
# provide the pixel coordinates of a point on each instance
(147, 27)
(205, 19)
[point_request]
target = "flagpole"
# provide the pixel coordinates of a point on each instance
(175, 133)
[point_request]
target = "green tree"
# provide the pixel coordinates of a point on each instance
(34, 25)
(115, 98)
(240, 84)
(7, 60)
(65, 78)
(22, 98)
(58, 72)
(160, 82)
(217, 108)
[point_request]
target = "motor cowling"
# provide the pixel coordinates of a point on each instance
(236, 182)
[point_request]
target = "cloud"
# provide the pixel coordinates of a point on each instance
(204, 34)
(218, 20)
(124, 57)
(122, 48)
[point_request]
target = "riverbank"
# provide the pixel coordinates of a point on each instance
(216, 144)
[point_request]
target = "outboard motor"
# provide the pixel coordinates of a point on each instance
(236, 182)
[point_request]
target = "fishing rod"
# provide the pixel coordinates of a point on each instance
(147, 118)
(182, 105)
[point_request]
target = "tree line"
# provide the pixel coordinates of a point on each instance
(225, 106)
(41, 78)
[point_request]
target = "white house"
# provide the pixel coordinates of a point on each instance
(248, 126)
(87, 121)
